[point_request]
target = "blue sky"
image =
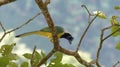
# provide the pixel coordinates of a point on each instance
(70, 15)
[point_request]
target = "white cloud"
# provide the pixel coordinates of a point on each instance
(20, 48)
(71, 60)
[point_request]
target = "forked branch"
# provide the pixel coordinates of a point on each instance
(57, 47)
(102, 39)
(6, 32)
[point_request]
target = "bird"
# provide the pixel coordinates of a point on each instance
(47, 32)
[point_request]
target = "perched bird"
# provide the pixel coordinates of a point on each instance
(114, 21)
(47, 32)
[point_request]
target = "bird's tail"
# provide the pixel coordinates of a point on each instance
(28, 33)
(40, 33)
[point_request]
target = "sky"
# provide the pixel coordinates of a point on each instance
(71, 16)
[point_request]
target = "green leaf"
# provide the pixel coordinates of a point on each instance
(113, 29)
(24, 64)
(27, 55)
(12, 64)
(6, 49)
(117, 7)
(56, 61)
(100, 14)
(118, 46)
(37, 55)
(36, 58)
(4, 61)
(58, 57)
(61, 65)
(13, 56)
(114, 21)
(43, 54)
(68, 65)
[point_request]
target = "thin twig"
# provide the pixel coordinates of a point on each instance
(25, 22)
(2, 37)
(86, 9)
(100, 45)
(3, 31)
(99, 49)
(2, 27)
(6, 32)
(101, 42)
(31, 61)
(111, 34)
(118, 62)
(46, 58)
(84, 33)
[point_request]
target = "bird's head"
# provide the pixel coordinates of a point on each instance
(67, 36)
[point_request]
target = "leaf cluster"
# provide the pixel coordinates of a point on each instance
(8, 58)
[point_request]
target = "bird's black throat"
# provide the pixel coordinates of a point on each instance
(67, 36)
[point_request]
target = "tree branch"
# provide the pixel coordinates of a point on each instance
(76, 55)
(46, 58)
(3, 2)
(25, 22)
(118, 62)
(6, 32)
(101, 43)
(50, 23)
(49, 20)
(99, 49)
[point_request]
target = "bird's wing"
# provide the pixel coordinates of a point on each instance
(44, 32)
(58, 28)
